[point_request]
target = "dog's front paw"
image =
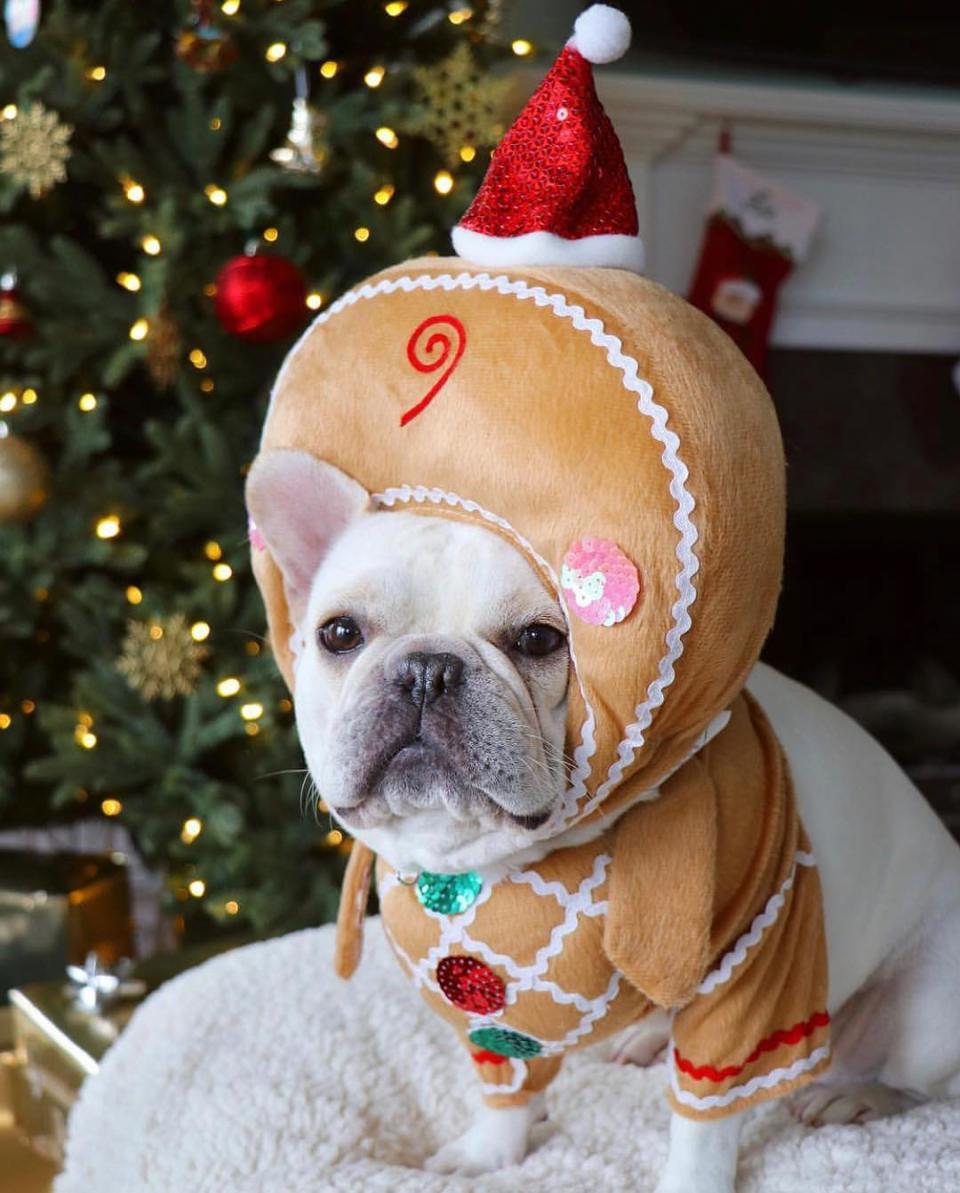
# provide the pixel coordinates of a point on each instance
(497, 1139)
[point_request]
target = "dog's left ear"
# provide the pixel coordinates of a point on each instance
(300, 505)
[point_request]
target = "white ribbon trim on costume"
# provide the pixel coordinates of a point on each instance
(515, 1082)
(747, 1090)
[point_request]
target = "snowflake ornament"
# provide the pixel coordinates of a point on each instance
(159, 658)
(460, 104)
(34, 148)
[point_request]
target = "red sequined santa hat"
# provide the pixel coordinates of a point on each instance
(557, 191)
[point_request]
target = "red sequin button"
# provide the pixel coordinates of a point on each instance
(471, 985)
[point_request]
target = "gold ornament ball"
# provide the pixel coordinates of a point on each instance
(24, 479)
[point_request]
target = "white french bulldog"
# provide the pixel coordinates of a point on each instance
(430, 702)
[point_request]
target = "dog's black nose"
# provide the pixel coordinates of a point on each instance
(428, 676)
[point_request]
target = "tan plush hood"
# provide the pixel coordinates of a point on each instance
(550, 405)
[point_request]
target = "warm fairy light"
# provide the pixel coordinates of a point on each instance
(216, 194)
(231, 907)
(443, 182)
(87, 402)
(10, 112)
(275, 52)
(314, 300)
(230, 7)
(206, 386)
(251, 729)
(150, 245)
(383, 196)
(85, 720)
(156, 632)
(129, 281)
(210, 289)
(29, 396)
(386, 136)
(111, 807)
(8, 402)
(133, 190)
(361, 234)
(285, 704)
(192, 828)
(229, 686)
(250, 712)
(334, 837)
(252, 647)
(197, 888)
(216, 124)
(108, 527)
(200, 631)
(88, 740)
(140, 330)
(97, 73)
(395, 8)
(329, 68)
(197, 358)
(521, 47)
(270, 234)
(213, 551)
(28, 706)
(134, 594)
(222, 571)
(459, 15)
(467, 153)
(374, 76)
(5, 720)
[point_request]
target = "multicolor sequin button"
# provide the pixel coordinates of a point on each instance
(448, 894)
(471, 985)
(505, 1043)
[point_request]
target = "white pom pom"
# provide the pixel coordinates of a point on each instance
(601, 33)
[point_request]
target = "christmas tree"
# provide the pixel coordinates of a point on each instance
(181, 185)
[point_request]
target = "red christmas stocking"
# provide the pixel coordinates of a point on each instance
(756, 232)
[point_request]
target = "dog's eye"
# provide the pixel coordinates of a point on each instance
(340, 635)
(538, 640)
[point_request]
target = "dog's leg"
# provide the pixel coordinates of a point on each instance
(497, 1138)
(703, 1155)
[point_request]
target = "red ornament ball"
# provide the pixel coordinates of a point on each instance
(14, 316)
(261, 298)
(470, 985)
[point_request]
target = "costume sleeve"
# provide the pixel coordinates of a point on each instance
(509, 1080)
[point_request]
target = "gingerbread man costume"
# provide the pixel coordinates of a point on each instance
(620, 441)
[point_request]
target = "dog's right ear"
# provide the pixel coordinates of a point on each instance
(300, 505)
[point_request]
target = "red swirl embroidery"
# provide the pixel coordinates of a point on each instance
(432, 353)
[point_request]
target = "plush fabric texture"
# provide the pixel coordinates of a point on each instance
(667, 908)
(261, 1072)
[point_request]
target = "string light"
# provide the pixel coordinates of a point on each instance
(200, 631)
(328, 69)
(230, 7)
(314, 300)
(10, 112)
(8, 402)
(210, 289)
(334, 837)
(250, 712)
(133, 191)
(29, 396)
(108, 527)
(5, 720)
(467, 153)
(459, 15)
(88, 740)
(192, 828)
(222, 571)
(285, 705)
(395, 8)
(231, 907)
(216, 124)
(197, 888)
(229, 686)
(85, 719)
(216, 194)
(386, 136)
(521, 47)
(374, 76)
(151, 245)
(140, 329)
(251, 729)
(134, 595)
(97, 73)
(275, 52)
(111, 807)
(28, 707)
(197, 358)
(156, 632)
(206, 386)
(270, 234)
(443, 182)
(129, 281)
(213, 551)
(361, 234)
(87, 402)
(383, 196)
(252, 647)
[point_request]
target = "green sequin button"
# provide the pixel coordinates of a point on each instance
(448, 894)
(505, 1043)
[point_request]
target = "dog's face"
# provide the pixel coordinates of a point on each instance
(431, 693)
(431, 697)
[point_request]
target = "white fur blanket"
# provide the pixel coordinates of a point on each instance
(261, 1072)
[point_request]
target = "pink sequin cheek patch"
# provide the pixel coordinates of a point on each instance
(601, 583)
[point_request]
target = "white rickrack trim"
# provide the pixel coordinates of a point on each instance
(628, 367)
(747, 1090)
(515, 1082)
(764, 920)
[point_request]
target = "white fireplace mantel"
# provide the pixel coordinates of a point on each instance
(884, 270)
